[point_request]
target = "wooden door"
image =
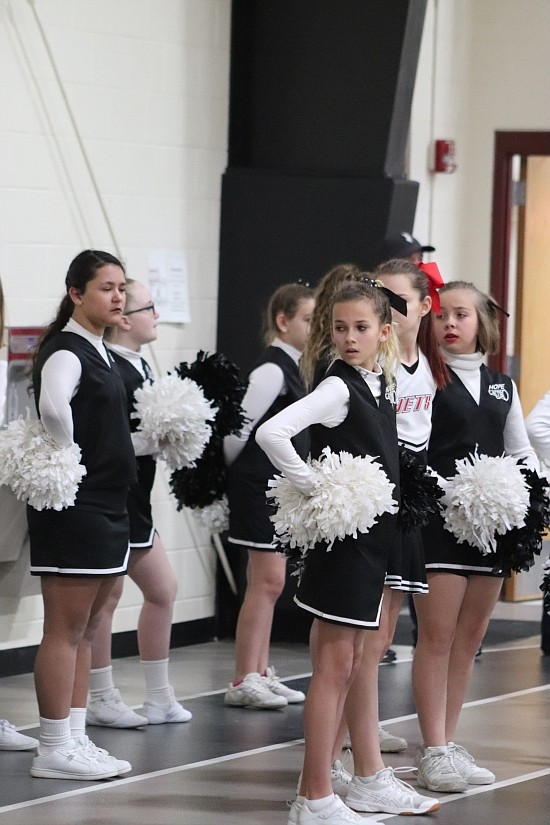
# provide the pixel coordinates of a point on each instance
(534, 283)
(527, 295)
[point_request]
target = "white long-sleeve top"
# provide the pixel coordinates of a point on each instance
(537, 424)
(328, 404)
(265, 384)
(516, 440)
(60, 381)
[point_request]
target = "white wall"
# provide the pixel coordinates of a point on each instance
(146, 82)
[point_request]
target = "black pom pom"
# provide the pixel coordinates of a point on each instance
(203, 484)
(516, 549)
(219, 380)
(420, 493)
(199, 486)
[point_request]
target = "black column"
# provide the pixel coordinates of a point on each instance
(320, 102)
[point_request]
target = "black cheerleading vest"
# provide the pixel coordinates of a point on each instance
(368, 429)
(133, 380)
(252, 459)
(99, 411)
(459, 424)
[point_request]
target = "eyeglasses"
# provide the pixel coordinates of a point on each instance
(142, 309)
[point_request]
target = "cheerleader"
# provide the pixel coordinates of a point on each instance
(374, 787)
(422, 370)
(319, 350)
(148, 567)
(10, 739)
(274, 383)
(80, 551)
(480, 409)
(352, 410)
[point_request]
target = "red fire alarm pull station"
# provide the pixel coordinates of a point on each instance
(445, 156)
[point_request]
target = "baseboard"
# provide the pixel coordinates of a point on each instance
(21, 659)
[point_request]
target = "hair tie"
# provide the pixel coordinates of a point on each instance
(396, 301)
(496, 306)
(300, 282)
(435, 282)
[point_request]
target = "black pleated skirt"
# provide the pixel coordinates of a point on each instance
(89, 539)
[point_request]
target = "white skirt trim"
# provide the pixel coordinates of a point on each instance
(341, 619)
(135, 545)
(469, 568)
(84, 571)
(252, 544)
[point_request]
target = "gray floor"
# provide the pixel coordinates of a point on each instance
(232, 766)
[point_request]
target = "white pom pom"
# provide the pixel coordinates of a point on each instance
(486, 498)
(215, 516)
(350, 494)
(173, 413)
(37, 470)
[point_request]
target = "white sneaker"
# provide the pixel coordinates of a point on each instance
(102, 755)
(390, 743)
(467, 768)
(111, 712)
(340, 779)
(293, 697)
(437, 771)
(253, 692)
(71, 762)
(388, 794)
(170, 713)
(12, 740)
(294, 808)
(334, 813)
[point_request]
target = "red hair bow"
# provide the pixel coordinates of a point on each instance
(435, 282)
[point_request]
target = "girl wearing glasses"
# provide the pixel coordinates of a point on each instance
(148, 566)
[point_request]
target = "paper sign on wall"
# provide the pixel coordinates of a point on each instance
(168, 285)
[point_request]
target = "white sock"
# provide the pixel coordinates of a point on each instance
(319, 804)
(367, 778)
(54, 733)
(101, 680)
(78, 723)
(157, 685)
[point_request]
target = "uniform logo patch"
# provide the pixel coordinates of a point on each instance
(499, 392)
(391, 394)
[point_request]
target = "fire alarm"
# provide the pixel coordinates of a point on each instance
(445, 156)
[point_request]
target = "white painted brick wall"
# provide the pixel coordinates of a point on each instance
(147, 82)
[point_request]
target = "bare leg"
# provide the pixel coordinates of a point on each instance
(266, 578)
(153, 574)
(437, 613)
(478, 603)
(68, 604)
(84, 653)
(101, 644)
(361, 710)
(395, 598)
(338, 654)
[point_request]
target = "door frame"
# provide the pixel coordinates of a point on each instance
(507, 144)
